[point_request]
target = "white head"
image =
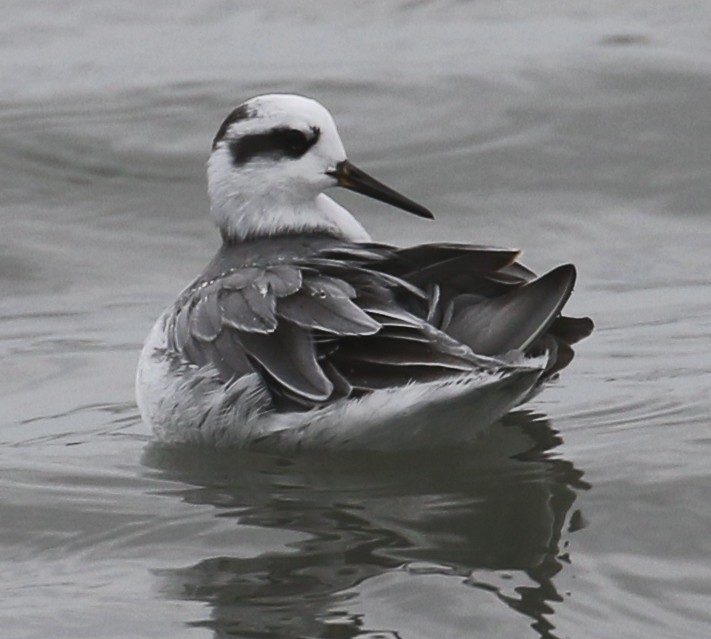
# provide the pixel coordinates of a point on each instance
(271, 160)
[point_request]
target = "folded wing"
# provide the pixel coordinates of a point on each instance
(320, 319)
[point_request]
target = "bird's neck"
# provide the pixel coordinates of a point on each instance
(240, 218)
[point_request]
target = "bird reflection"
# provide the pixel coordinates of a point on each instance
(490, 516)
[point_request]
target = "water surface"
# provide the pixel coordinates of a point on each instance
(578, 133)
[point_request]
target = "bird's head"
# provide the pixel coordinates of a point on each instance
(272, 158)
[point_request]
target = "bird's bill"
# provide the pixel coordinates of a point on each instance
(352, 178)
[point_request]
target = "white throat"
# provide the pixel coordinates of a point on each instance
(239, 219)
(259, 202)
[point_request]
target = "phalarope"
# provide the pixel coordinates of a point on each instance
(303, 332)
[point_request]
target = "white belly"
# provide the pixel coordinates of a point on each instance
(190, 405)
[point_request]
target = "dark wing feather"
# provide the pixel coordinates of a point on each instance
(320, 318)
(514, 320)
(331, 314)
(364, 377)
(238, 278)
(206, 318)
(249, 310)
(479, 257)
(455, 268)
(179, 332)
(327, 287)
(572, 329)
(484, 298)
(392, 350)
(288, 354)
(283, 280)
(230, 356)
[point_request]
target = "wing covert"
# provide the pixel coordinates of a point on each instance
(319, 318)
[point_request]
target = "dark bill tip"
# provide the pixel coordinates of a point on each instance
(352, 178)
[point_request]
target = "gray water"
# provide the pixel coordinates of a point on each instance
(577, 131)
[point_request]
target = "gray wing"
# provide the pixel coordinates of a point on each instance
(345, 319)
(482, 297)
(323, 326)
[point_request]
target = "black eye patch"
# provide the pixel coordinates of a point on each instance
(278, 143)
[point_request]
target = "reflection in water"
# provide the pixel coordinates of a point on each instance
(468, 513)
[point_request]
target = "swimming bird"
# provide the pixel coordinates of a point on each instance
(302, 332)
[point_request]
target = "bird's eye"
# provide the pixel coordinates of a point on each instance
(295, 143)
